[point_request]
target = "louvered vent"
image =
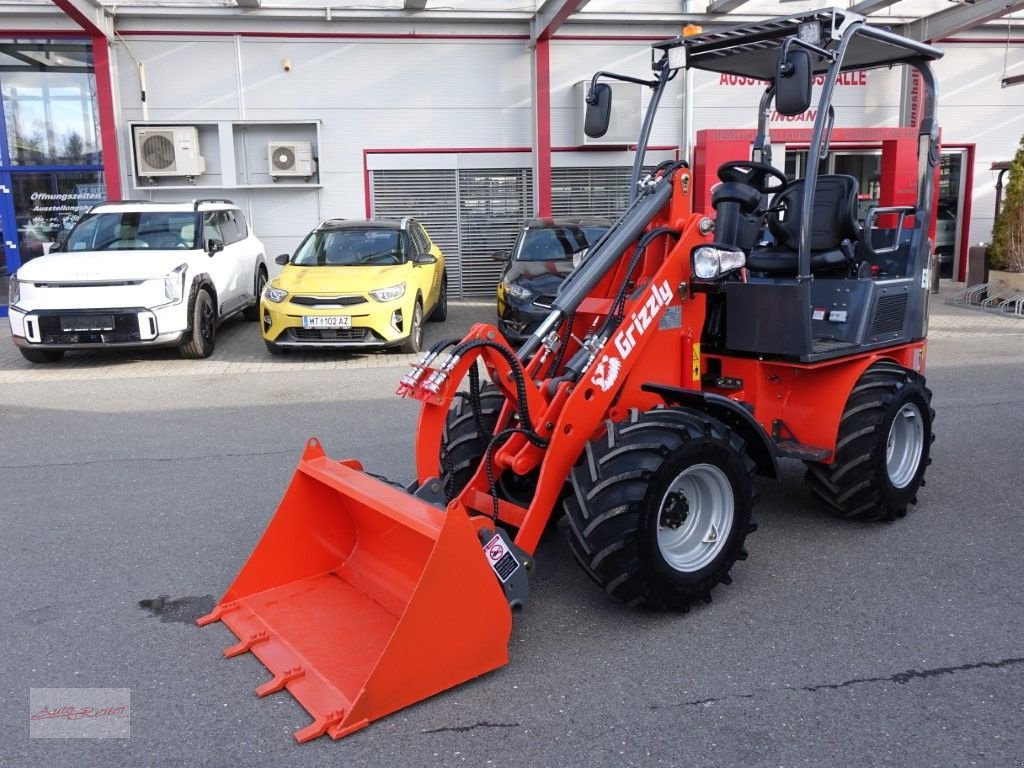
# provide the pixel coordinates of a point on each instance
(590, 191)
(470, 214)
(889, 314)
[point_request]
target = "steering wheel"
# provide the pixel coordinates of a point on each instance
(756, 175)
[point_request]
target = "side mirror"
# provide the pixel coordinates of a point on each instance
(425, 258)
(214, 245)
(793, 82)
(282, 259)
(501, 255)
(60, 241)
(599, 111)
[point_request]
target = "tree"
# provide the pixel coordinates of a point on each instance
(1007, 249)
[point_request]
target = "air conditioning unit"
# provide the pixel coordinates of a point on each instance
(290, 158)
(168, 151)
(624, 126)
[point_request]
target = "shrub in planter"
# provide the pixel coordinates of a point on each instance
(1006, 253)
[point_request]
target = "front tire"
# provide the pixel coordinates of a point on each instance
(661, 507)
(440, 313)
(39, 356)
(415, 341)
(203, 336)
(252, 313)
(883, 447)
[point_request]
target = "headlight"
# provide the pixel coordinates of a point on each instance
(275, 295)
(517, 291)
(710, 262)
(174, 283)
(390, 293)
(14, 290)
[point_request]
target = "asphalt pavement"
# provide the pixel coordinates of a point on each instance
(140, 478)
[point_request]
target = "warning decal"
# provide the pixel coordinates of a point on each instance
(501, 558)
(696, 361)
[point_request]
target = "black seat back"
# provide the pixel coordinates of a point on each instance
(834, 230)
(834, 218)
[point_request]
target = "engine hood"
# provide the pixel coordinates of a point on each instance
(341, 279)
(101, 266)
(539, 276)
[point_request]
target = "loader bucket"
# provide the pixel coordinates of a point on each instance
(362, 599)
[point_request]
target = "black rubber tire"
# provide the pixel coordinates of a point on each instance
(617, 490)
(252, 313)
(38, 356)
(857, 485)
(440, 311)
(415, 341)
(464, 441)
(274, 349)
(202, 338)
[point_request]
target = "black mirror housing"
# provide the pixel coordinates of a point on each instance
(214, 245)
(793, 82)
(282, 259)
(599, 111)
(501, 255)
(425, 258)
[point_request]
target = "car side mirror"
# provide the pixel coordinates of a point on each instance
(501, 255)
(214, 245)
(60, 241)
(282, 259)
(599, 111)
(793, 82)
(425, 258)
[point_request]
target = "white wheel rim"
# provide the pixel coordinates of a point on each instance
(904, 446)
(695, 517)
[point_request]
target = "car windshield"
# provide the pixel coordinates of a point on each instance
(555, 243)
(134, 230)
(350, 247)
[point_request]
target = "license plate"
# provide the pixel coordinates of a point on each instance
(327, 321)
(87, 323)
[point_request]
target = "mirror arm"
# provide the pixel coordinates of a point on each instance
(787, 68)
(591, 92)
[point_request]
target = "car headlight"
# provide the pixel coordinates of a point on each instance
(276, 295)
(174, 283)
(710, 262)
(517, 291)
(14, 290)
(390, 293)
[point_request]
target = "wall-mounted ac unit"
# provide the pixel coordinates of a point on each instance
(168, 151)
(290, 158)
(624, 126)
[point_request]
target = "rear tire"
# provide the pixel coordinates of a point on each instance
(883, 447)
(440, 312)
(252, 314)
(203, 336)
(38, 356)
(661, 506)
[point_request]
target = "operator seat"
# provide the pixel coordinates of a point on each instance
(835, 235)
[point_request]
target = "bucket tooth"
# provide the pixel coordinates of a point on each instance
(319, 726)
(278, 682)
(216, 614)
(246, 644)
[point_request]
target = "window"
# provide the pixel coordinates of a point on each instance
(243, 228)
(228, 227)
(211, 226)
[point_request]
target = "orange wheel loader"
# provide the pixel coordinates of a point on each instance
(686, 354)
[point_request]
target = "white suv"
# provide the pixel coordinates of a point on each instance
(139, 274)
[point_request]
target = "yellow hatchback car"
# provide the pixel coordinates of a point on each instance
(355, 284)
